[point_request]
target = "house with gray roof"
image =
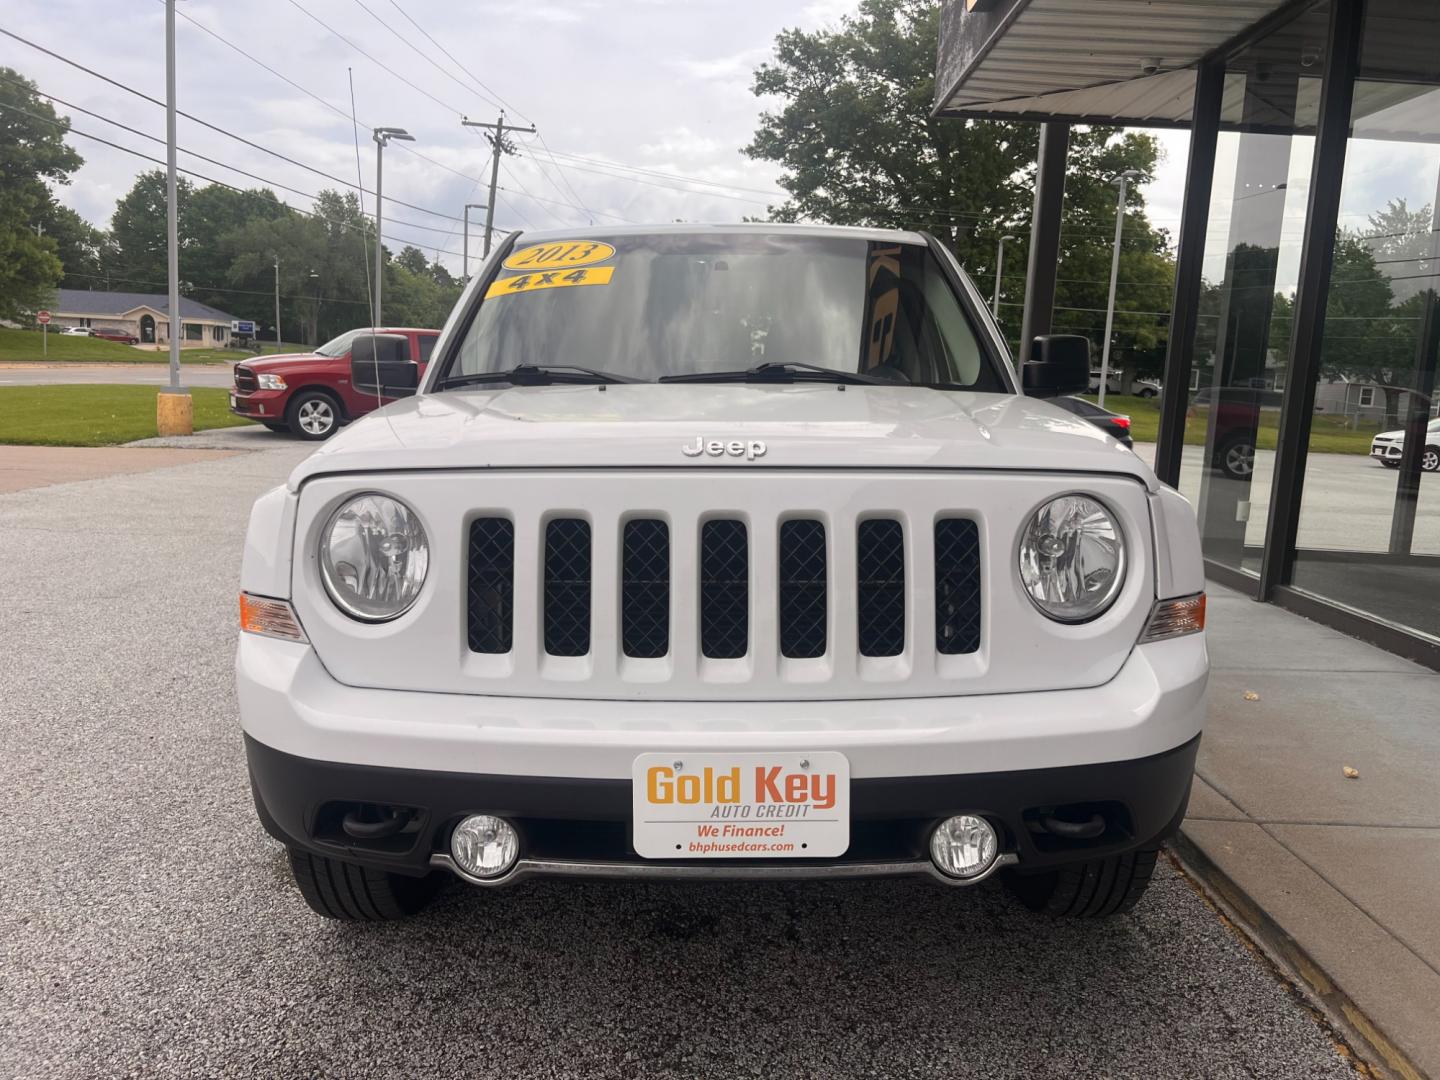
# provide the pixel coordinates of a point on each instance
(145, 316)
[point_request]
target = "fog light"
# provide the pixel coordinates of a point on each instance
(484, 846)
(964, 846)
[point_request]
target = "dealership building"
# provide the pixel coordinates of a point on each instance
(1312, 213)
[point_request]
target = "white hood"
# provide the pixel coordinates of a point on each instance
(804, 426)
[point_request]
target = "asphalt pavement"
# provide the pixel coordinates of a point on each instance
(129, 374)
(148, 926)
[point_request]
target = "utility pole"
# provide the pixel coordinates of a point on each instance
(173, 407)
(999, 265)
(277, 299)
(382, 136)
(1123, 179)
(498, 145)
(465, 258)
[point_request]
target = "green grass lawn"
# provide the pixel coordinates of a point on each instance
(85, 415)
(24, 346)
(1328, 434)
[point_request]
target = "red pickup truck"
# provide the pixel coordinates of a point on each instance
(310, 394)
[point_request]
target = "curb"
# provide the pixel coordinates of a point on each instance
(1293, 959)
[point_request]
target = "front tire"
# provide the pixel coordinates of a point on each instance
(1093, 889)
(1146, 392)
(351, 893)
(1430, 459)
(313, 414)
(1237, 459)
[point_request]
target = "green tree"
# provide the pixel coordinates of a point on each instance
(854, 134)
(33, 154)
(82, 249)
(138, 231)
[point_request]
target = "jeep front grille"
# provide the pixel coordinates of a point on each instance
(645, 589)
(724, 589)
(880, 584)
(492, 585)
(649, 595)
(567, 587)
(803, 589)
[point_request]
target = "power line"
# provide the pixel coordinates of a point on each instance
(498, 99)
(197, 175)
(203, 123)
(426, 56)
(378, 63)
(202, 157)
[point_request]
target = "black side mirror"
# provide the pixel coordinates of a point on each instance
(1059, 364)
(381, 364)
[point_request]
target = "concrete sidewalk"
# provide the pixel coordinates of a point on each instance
(1338, 878)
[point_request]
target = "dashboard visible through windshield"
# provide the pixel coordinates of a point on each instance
(650, 306)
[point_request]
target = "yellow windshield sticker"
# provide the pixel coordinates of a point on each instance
(560, 255)
(550, 279)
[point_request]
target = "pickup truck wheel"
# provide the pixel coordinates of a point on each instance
(1145, 392)
(1092, 889)
(1237, 458)
(339, 890)
(1430, 459)
(313, 414)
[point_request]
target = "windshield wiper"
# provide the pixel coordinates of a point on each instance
(537, 375)
(777, 371)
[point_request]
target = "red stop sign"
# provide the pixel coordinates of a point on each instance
(42, 317)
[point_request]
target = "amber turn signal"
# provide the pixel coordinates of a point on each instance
(269, 618)
(1175, 618)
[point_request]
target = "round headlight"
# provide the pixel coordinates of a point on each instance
(1072, 558)
(373, 557)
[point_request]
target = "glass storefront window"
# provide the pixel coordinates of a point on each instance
(1369, 530)
(1252, 258)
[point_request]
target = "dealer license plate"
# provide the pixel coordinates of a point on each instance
(741, 806)
(232, 401)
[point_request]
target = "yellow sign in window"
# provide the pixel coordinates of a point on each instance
(560, 255)
(550, 279)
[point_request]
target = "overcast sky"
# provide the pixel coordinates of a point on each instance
(658, 85)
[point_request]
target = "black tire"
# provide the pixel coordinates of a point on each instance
(313, 415)
(276, 426)
(1236, 458)
(1093, 889)
(1390, 464)
(1430, 458)
(351, 893)
(1145, 392)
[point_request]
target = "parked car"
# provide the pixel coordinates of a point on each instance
(116, 335)
(1236, 426)
(1116, 425)
(721, 552)
(1388, 447)
(75, 331)
(1145, 388)
(311, 394)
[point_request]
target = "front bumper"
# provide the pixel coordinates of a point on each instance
(259, 404)
(560, 769)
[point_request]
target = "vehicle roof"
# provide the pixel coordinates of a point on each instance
(859, 232)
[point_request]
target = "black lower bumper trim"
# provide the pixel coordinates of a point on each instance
(303, 803)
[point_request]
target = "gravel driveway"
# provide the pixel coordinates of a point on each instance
(148, 927)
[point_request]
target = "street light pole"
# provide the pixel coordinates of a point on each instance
(465, 258)
(999, 265)
(1123, 179)
(382, 136)
(277, 299)
(173, 408)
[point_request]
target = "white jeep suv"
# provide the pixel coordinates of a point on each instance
(721, 552)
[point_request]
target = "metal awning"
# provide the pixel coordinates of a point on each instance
(1106, 61)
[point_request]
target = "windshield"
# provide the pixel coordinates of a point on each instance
(648, 306)
(339, 346)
